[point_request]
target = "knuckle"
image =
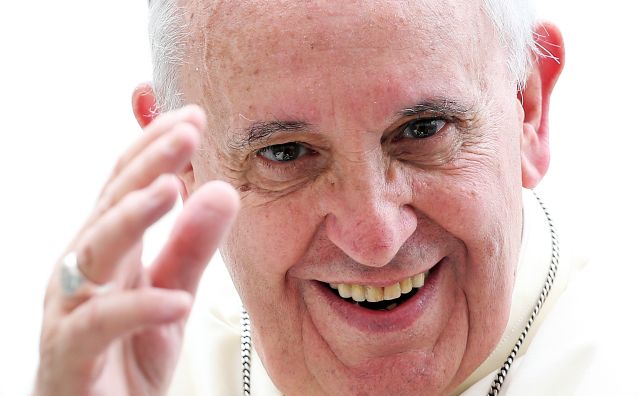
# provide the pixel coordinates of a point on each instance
(106, 202)
(84, 254)
(95, 323)
(137, 208)
(120, 164)
(129, 215)
(89, 324)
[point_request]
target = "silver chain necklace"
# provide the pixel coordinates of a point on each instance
(498, 381)
(245, 351)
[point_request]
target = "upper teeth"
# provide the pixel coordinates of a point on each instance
(376, 294)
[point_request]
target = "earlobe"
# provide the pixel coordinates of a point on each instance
(143, 102)
(535, 99)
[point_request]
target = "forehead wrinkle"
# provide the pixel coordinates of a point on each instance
(265, 23)
(226, 32)
(281, 25)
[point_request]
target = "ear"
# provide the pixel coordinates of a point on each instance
(535, 98)
(143, 102)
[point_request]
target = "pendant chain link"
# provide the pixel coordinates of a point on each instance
(498, 381)
(245, 351)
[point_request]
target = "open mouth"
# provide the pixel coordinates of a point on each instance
(376, 298)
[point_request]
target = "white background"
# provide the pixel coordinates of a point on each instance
(66, 72)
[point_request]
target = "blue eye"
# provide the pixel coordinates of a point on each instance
(284, 152)
(422, 128)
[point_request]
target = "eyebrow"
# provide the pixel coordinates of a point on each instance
(260, 130)
(439, 106)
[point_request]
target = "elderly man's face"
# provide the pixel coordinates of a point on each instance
(371, 142)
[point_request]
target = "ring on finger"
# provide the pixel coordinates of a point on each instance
(73, 281)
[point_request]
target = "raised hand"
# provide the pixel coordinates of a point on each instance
(121, 331)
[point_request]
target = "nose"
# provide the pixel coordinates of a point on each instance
(370, 216)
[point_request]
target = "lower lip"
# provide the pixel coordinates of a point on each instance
(397, 319)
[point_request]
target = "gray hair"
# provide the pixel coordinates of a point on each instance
(168, 34)
(513, 20)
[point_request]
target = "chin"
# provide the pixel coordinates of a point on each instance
(416, 344)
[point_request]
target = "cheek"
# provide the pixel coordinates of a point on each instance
(478, 201)
(480, 207)
(472, 200)
(267, 240)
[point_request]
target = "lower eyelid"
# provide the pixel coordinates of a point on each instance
(274, 176)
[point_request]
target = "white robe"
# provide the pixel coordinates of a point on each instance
(562, 354)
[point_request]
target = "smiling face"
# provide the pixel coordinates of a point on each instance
(372, 142)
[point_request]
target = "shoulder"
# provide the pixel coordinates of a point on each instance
(584, 346)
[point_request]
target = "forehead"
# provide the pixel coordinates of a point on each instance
(296, 50)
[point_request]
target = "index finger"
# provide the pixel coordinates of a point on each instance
(195, 237)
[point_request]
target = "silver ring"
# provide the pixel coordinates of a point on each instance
(71, 278)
